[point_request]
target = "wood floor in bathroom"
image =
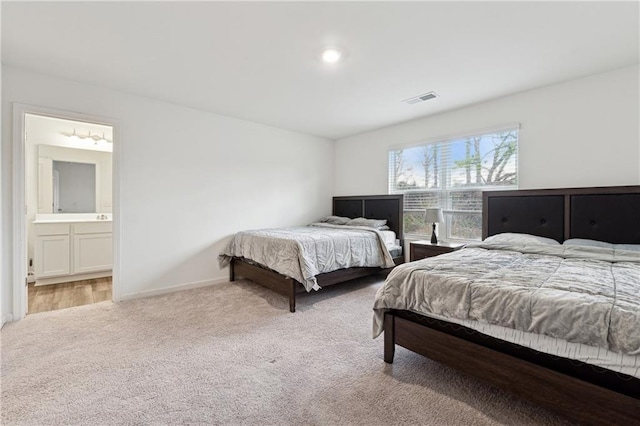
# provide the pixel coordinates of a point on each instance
(66, 295)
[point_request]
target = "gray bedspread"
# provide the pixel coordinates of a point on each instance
(579, 294)
(303, 252)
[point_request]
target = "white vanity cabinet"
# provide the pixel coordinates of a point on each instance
(72, 251)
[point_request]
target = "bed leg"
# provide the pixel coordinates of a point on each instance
(292, 296)
(232, 276)
(389, 338)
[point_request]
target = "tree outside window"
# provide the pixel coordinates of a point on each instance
(451, 174)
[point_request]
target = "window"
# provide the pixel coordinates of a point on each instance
(451, 174)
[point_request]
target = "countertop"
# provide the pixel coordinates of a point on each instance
(72, 218)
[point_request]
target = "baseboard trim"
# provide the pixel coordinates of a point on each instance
(173, 289)
(72, 278)
(5, 319)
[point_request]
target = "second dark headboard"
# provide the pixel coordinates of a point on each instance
(389, 207)
(602, 213)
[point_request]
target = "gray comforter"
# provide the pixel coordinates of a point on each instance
(303, 252)
(579, 294)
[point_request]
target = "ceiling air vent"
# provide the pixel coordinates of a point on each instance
(421, 98)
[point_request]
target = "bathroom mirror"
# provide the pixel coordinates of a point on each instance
(74, 187)
(73, 180)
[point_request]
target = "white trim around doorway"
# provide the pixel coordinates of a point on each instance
(19, 199)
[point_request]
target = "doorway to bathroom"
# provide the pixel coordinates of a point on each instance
(68, 239)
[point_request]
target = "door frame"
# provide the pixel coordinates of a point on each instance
(19, 272)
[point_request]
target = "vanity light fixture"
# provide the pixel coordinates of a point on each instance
(94, 137)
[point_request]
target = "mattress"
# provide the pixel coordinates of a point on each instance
(395, 251)
(600, 357)
(389, 237)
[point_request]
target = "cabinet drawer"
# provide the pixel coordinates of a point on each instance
(91, 227)
(423, 249)
(52, 229)
(422, 252)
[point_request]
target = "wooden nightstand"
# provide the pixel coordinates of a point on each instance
(423, 249)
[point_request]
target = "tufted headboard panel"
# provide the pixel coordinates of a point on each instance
(603, 213)
(541, 215)
(614, 218)
(388, 207)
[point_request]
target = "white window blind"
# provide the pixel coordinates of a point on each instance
(451, 174)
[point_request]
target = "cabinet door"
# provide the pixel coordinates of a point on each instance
(51, 256)
(92, 253)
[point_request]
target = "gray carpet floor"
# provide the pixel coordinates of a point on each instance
(233, 354)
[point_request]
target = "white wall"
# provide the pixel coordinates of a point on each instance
(579, 133)
(189, 179)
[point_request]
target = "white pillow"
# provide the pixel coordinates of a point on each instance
(335, 220)
(628, 247)
(594, 243)
(513, 238)
(586, 243)
(371, 223)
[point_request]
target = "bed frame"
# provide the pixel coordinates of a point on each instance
(581, 392)
(389, 207)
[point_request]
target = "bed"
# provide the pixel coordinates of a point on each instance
(374, 207)
(581, 389)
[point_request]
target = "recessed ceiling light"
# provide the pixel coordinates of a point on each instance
(331, 55)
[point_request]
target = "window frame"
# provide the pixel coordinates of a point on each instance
(445, 188)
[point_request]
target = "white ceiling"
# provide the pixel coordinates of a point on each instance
(259, 61)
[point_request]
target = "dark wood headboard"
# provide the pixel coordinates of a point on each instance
(608, 214)
(388, 207)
